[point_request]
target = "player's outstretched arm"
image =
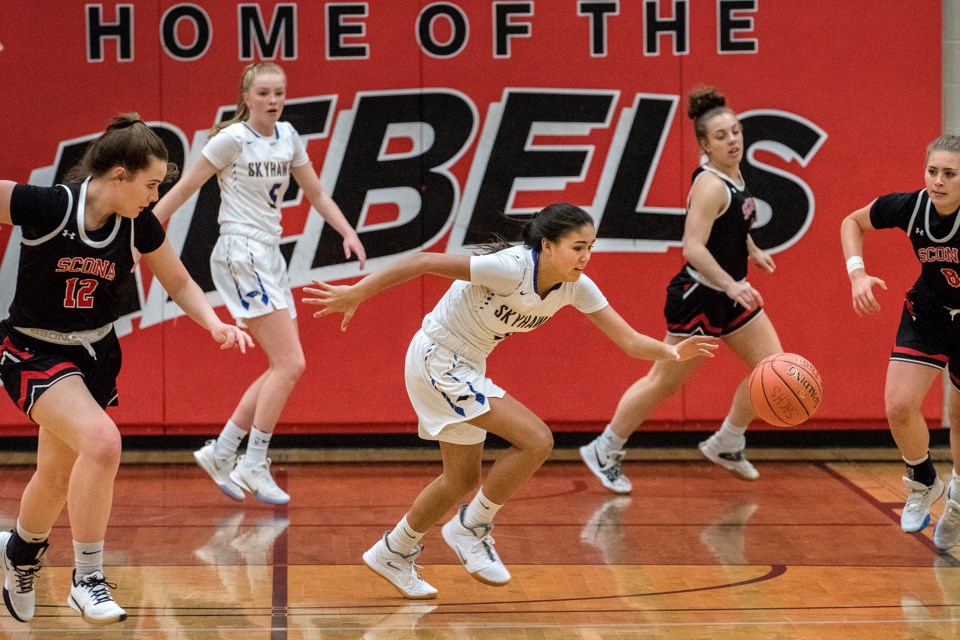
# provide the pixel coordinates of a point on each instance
(643, 347)
(166, 266)
(346, 298)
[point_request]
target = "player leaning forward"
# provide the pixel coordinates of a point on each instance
(512, 290)
(59, 354)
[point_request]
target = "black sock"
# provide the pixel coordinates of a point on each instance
(924, 473)
(23, 553)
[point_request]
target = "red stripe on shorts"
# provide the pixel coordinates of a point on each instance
(27, 378)
(8, 346)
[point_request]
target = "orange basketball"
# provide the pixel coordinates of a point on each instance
(785, 389)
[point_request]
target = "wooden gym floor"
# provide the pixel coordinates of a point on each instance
(813, 549)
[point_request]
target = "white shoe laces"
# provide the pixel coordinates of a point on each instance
(484, 543)
(916, 499)
(261, 472)
(411, 573)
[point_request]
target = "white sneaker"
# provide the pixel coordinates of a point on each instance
(218, 468)
(916, 511)
(18, 593)
(399, 570)
(91, 598)
(732, 460)
(258, 481)
(606, 468)
(947, 533)
(475, 549)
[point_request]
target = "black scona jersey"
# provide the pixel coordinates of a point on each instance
(71, 279)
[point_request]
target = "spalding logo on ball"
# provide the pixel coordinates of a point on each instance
(785, 389)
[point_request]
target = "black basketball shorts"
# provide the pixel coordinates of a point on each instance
(29, 367)
(693, 308)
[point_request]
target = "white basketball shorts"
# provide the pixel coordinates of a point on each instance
(251, 277)
(447, 391)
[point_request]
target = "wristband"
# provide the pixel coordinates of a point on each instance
(854, 263)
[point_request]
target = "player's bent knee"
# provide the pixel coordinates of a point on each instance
(103, 448)
(542, 443)
(901, 412)
(463, 481)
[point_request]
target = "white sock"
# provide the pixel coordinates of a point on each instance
(403, 538)
(954, 493)
(88, 557)
(228, 442)
(29, 536)
(257, 447)
(480, 511)
(609, 442)
(730, 434)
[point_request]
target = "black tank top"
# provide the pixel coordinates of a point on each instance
(70, 279)
(728, 236)
(935, 239)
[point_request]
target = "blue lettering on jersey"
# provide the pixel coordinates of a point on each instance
(269, 169)
(512, 318)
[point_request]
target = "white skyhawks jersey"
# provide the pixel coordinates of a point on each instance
(253, 173)
(501, 299)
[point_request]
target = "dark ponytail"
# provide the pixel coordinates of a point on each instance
(553, 222)
(127, 142)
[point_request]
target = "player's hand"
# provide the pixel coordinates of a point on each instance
(229, 336)
(353, 247)
(696, 346)
(745, 295)
(861, 286)
(763, 260)
(333, 299)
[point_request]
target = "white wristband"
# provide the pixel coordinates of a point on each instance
(854, 263)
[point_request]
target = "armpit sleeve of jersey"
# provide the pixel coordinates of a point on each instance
(500, 272)
(37, 210)
(300, 156)
(222, 149)
(587, 298)
(148, 233)
(893, 210)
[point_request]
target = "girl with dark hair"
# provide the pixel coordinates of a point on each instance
(513, 290)
(928, 339)
(59, 354)
(253, 156)
(710, 296)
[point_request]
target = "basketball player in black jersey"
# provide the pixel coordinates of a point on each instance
(710, 296)
(928, 339)
(59, 354)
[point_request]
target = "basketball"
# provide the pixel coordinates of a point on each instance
(785, 390)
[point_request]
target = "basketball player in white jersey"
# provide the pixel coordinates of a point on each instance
(496, 295)
(253, 156)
